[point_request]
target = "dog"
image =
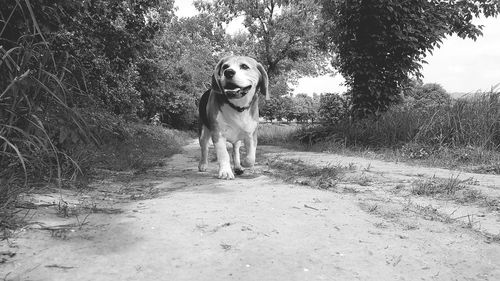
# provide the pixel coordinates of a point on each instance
(229, 112)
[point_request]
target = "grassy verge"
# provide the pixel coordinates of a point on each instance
(277, 133)
(143, 147)
(125, 147)
(462, 134)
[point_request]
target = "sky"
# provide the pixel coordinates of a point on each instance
(460, 65)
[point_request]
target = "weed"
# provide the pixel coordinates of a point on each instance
(399, 187)
(364, 180)
(470, 222)
(492, 204)
(368, 167)
(427, 212)
(352, 166)
(320, 177)
(437, 186)
(493, 238)
(380, 225)
(37, 122)
(372, 208)
(276, 133)
(349, 189)
(469, 196)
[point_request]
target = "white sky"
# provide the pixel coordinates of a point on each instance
(460, 65)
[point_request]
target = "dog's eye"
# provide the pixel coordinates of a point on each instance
(225, 66)
(244, 66)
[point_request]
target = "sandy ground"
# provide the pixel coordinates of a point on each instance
(175, 223)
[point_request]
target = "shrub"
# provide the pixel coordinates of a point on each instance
(473, 122)
(426, 95)
(332, 108)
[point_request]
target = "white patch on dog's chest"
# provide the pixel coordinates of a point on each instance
(235, 125)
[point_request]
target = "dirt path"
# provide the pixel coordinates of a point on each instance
(174, 223)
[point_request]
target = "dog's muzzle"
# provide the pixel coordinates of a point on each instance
(232, 91)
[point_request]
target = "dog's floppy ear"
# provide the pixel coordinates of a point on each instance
(263, 81)
(216, 77)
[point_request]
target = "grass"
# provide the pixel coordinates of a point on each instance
(139, 147)
(51, 131)
(144, 146)
(437, 186)
(277, 133)
(36, 120)
(296, 171)
(463, 134)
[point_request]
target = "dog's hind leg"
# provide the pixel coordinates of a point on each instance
(251, 147)
(204, 139)
(236, 158)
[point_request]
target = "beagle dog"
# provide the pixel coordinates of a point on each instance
(229, 112)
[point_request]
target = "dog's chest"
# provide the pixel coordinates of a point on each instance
(235, 125)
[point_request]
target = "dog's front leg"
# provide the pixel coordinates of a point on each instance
(238, 170)
(251, 146)
(225, 171)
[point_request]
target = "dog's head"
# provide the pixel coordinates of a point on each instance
(239, 78)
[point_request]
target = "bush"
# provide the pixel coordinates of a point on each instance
(465, 122)
(333, 108)
(426, 95)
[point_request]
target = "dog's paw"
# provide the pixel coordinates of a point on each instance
(247, 163)
(238, 171)
(226, 173)
(202, 167)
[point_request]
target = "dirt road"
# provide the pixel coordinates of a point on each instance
(174, 223)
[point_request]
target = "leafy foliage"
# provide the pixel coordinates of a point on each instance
(37, 119)
(333, 108)
(176, 71)
(280, 103)
(304, 108)
(379, 44)
(426, 95)
(60, 62)
(283, 33)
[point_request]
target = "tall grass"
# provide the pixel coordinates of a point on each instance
(276, 133)
(463, 131)
(36, 121)
(472, 121)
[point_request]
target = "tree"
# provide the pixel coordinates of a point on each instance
(280, 105)
(332, 108)
(63, 61)
(281, 32)
(424, 95)
(176, 73)
(304, 108)
(379, 44)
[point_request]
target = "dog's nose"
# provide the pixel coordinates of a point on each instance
(229, 73)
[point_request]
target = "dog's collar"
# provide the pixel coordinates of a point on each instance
(235, 107)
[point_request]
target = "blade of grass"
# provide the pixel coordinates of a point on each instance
(19, 156)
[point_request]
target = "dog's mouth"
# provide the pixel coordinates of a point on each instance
(233, 91)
